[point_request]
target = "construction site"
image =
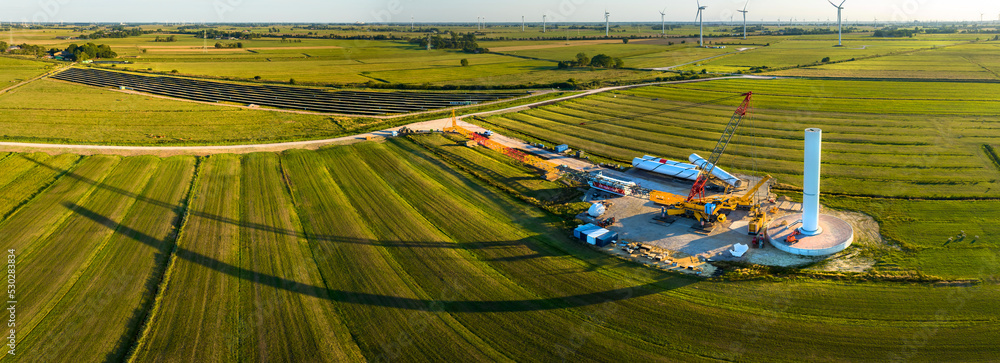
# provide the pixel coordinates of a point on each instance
(684, 215)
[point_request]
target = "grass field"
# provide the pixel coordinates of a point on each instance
(419, 248)
(963, 62)
(867, 131)
(19, 70)
(61, 112)
(297, 245)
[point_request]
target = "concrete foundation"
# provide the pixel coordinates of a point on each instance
(837, 235)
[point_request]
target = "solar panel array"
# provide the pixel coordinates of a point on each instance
(297, 98)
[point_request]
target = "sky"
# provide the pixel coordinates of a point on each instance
(378, 11)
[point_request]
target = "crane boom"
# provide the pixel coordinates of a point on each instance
(698, 189)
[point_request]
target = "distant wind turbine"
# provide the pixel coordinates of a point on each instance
(840, 29)
(543, 23)
(701, 28)
(663, 24)
(744, 11)
(607, 26)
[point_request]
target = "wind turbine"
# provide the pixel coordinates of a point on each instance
(701, 28)
(663, 26)
(607, 26)
(744, 11)
(543, 23)
(478, 22)
(522, 23)
(840, 29)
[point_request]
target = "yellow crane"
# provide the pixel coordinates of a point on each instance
(713, 209)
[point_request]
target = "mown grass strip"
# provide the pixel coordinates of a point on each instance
(201, 298)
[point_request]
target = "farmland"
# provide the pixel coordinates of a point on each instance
(344, 102)
(940, 135)
(17, 70)
(420, 248)
(52, 111)
(295, 248)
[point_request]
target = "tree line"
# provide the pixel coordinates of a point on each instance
(599, 61)
(464, 41)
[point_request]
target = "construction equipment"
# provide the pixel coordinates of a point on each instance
(758, 220)
(698, 189)
(714, 209)
(711, 210)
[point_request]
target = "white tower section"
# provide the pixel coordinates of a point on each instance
(810, 182)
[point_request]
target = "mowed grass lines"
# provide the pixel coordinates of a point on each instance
(417, 260)
(285, 309)
(962, 62)
(866, 152)
(103, 310)
(201, 297)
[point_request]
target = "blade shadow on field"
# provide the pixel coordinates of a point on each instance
(363, 298)
(272, 229)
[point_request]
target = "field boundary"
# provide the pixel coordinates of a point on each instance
(150, 311)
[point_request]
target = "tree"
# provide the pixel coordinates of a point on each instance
(603, 61)
(826, 60)
(619, 63)
(218, 45)
(256, 78)
(291, 81)
(4, 46)
(625, 40)
(465, 62)
(582, 59)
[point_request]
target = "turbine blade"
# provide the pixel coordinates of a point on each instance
(841, 4)
(745, 5)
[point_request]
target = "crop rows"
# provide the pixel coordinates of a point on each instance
(865, 153)
(386, 251)
(310, 99)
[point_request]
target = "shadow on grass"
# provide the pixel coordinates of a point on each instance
(456, 306)
(167, 247)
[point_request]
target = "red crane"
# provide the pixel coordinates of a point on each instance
(698, 189)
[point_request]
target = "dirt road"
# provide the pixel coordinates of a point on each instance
(309, 144)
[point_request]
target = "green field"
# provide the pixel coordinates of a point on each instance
(879, 141)
(420, 248)
(18, 70)
(963, 62)
(291, 257)
(60, 112)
